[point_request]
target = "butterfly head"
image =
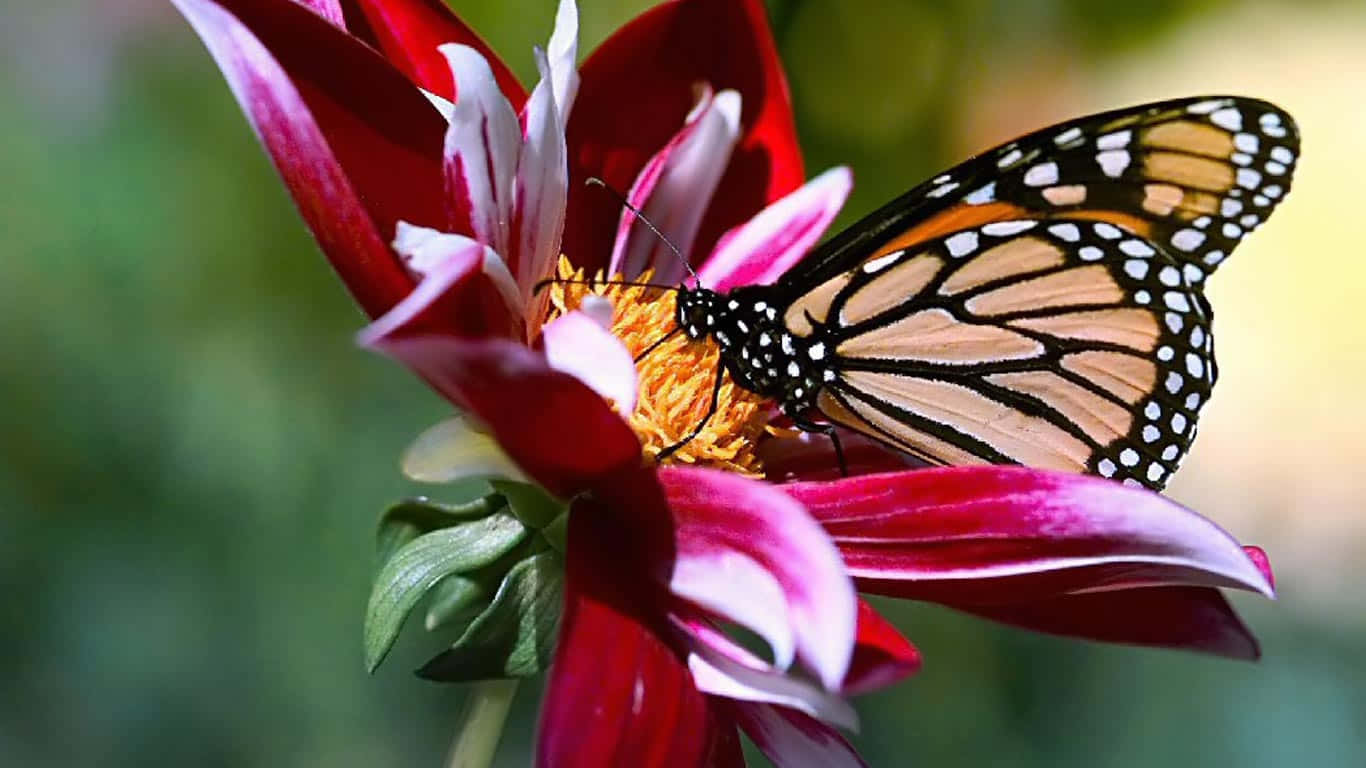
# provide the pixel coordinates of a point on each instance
(698, 311)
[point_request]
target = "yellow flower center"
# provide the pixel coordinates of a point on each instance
(675, 378)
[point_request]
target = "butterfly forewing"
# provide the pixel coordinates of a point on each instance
(1194, 176)
(1064, 344)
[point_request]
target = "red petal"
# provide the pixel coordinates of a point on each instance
(637, 88)
(994, 535)
(617, 695)
(881, 655)
(557, 429)
(456, 298)
(357, 145)
(408, 32)
(1186, 618)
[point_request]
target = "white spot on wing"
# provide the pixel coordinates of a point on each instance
(1006, 228)
(1066, 231)
(1041, 175)
(1113, 162)
(984, 194)
(1108, 231)
(1136, 248)
(962, 243)
(1229, 118)
(878, 264)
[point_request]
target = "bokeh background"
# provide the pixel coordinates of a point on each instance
(193, 454)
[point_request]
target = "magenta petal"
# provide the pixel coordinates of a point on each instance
(408, 33)
(1258, 557)
(723, 668)
(328, 9)
(578, 345)
(463, 292)
(718, 516)
(790, 738)
(638, 86)
(617, 695)
(359, 148)
(881, 655)
(995, 535)
(1185, 618)
(759, 251)
(558, 430)
(481, 150)
(674, 190)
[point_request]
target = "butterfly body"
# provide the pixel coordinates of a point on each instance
(1040, 304)
(757, 349)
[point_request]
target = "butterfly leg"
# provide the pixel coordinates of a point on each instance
(829, 431)
(697, 430)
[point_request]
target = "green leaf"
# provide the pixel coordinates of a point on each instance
(410, 518)
(456, 600)
(418, 565)
(515, 636)
(528, 502)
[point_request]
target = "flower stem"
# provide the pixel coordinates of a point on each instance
(481, 724)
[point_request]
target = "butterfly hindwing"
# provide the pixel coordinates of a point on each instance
(1067, 344)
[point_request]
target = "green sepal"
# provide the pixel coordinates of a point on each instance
(455, 601)
(421, 563)
(515, 636)
(529, 503)
(410, 518)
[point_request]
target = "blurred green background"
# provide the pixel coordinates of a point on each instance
(194, 454)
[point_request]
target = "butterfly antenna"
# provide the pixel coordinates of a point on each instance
(594, 180)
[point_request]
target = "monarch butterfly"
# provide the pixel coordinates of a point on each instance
(1039, 304)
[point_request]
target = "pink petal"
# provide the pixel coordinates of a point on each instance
(1185, 618)
(638, 86)
(617, 695)
(674, 189)
(720, 667)
(881, 655)
(790, 738)
(716, 514)
(759, 251)
(998, 535)
(576, 344)
(328, 9)
(409, 32)
(463, 292)
(540, 192)
(482, 147)
(358, 146)
(558, 430)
